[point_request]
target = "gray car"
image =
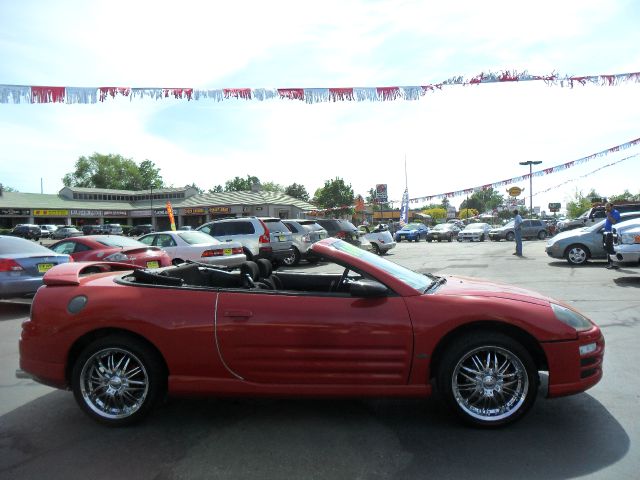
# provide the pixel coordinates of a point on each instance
(627, 244)
(530, 228)
(582, 244)
(23, 263)
(261, 237)
(304, 233)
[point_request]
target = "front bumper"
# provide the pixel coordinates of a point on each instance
(569, 371)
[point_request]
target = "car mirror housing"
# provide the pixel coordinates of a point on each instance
(367, 289)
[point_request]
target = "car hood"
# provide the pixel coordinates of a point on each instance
(467, 286)
(570, 234)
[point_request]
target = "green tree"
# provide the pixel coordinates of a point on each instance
(626, 196)
(335, 193)
(113, 172)
(240, 184)
(6, 188)
(297, 191)
(216, 189)
(467, 213)
(580, 203)
(483, 200)
(193, 185)
(272, 187)
(436, 213)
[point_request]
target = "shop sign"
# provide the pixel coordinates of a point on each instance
(193, 211)
(140, 213)
(15, 211)
(161, 212)
(115, 213)
(51, 213)
(554, 207)
(514, 191)
(219, 209)
(85, 213)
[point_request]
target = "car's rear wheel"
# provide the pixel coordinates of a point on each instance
(510, 236)
(292, 259)
(577, 254)
(116, 380)
(450, 238)
(542, 235)
(488, 379)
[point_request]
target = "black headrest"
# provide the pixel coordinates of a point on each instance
(143, 276)
(265, 267)
(251, 269)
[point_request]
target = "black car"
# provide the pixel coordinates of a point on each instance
(138, 230)
(93, 230)
(30, 232)
(342, 229)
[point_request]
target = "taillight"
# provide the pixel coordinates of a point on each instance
(212, 253)
(341, 235)
(9, 265)
(265, 237)
(236, 251)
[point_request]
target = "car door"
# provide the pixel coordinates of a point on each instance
(294, 338)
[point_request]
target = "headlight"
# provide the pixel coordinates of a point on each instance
(629, 238)
(571, 318)
(117, 257)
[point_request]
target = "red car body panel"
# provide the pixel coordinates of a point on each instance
(139, 256)
(259, 342)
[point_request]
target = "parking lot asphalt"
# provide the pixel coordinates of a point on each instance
(591, 435)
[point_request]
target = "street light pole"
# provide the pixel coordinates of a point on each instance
(531, 163)
(151, 206)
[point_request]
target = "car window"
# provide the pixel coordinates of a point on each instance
(64, 247)
(206, 229)
(147, 239)
(275, 225)
(291, 227)
(195, 237)
(119, 242)
(165, 240)
(346, 225)
(80, 247)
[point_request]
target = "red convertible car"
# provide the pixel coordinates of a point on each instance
(121, 339)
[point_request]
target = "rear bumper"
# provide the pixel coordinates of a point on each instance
(19, 286)
(275, 254)
(225, 261)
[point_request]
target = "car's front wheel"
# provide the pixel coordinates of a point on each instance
(510, 237)
(542, 235)
(577, 254)
(116, 380)
(488, 379)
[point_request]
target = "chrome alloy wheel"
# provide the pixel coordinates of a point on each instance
(577, 255)
(114, 383)
(490, 383)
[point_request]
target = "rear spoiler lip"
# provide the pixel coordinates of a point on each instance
(69, 273)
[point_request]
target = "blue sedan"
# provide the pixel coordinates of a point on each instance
(412, 231)
(23, 263)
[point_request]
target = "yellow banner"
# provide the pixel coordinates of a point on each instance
(51, 213)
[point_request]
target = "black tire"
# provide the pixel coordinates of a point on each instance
(375, 248)
(293, 259)
(510, 236)
(450, 238)
(248, 254)
(113, 395)
(177, 261)
(482, 237)
(542, 235)
(577, 254)
(481, 394)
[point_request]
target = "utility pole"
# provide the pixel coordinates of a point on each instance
(531, 163)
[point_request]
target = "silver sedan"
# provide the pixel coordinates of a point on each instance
(582, 244)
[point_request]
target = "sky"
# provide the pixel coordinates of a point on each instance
(450, 140)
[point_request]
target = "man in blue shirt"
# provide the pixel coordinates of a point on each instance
(613, 217)
(517, 229)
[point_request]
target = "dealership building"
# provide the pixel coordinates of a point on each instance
(88, 206)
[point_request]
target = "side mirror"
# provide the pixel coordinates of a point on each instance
(367, 289)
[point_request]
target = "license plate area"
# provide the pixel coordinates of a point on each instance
(44, 267)
(153, 264)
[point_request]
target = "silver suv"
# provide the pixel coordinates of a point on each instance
(304, 234)
(529, 228)
(261, 237)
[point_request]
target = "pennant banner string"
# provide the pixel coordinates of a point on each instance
(539, 173)
(57, 94)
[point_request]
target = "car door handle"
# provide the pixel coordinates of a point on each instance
(238, 313)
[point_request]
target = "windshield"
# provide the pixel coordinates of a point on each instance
(413, 279)
(195, 237)
(10, 245)
(120, 242)
(442, 226)
(411, 226)
(475, 226)
(509, 224)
